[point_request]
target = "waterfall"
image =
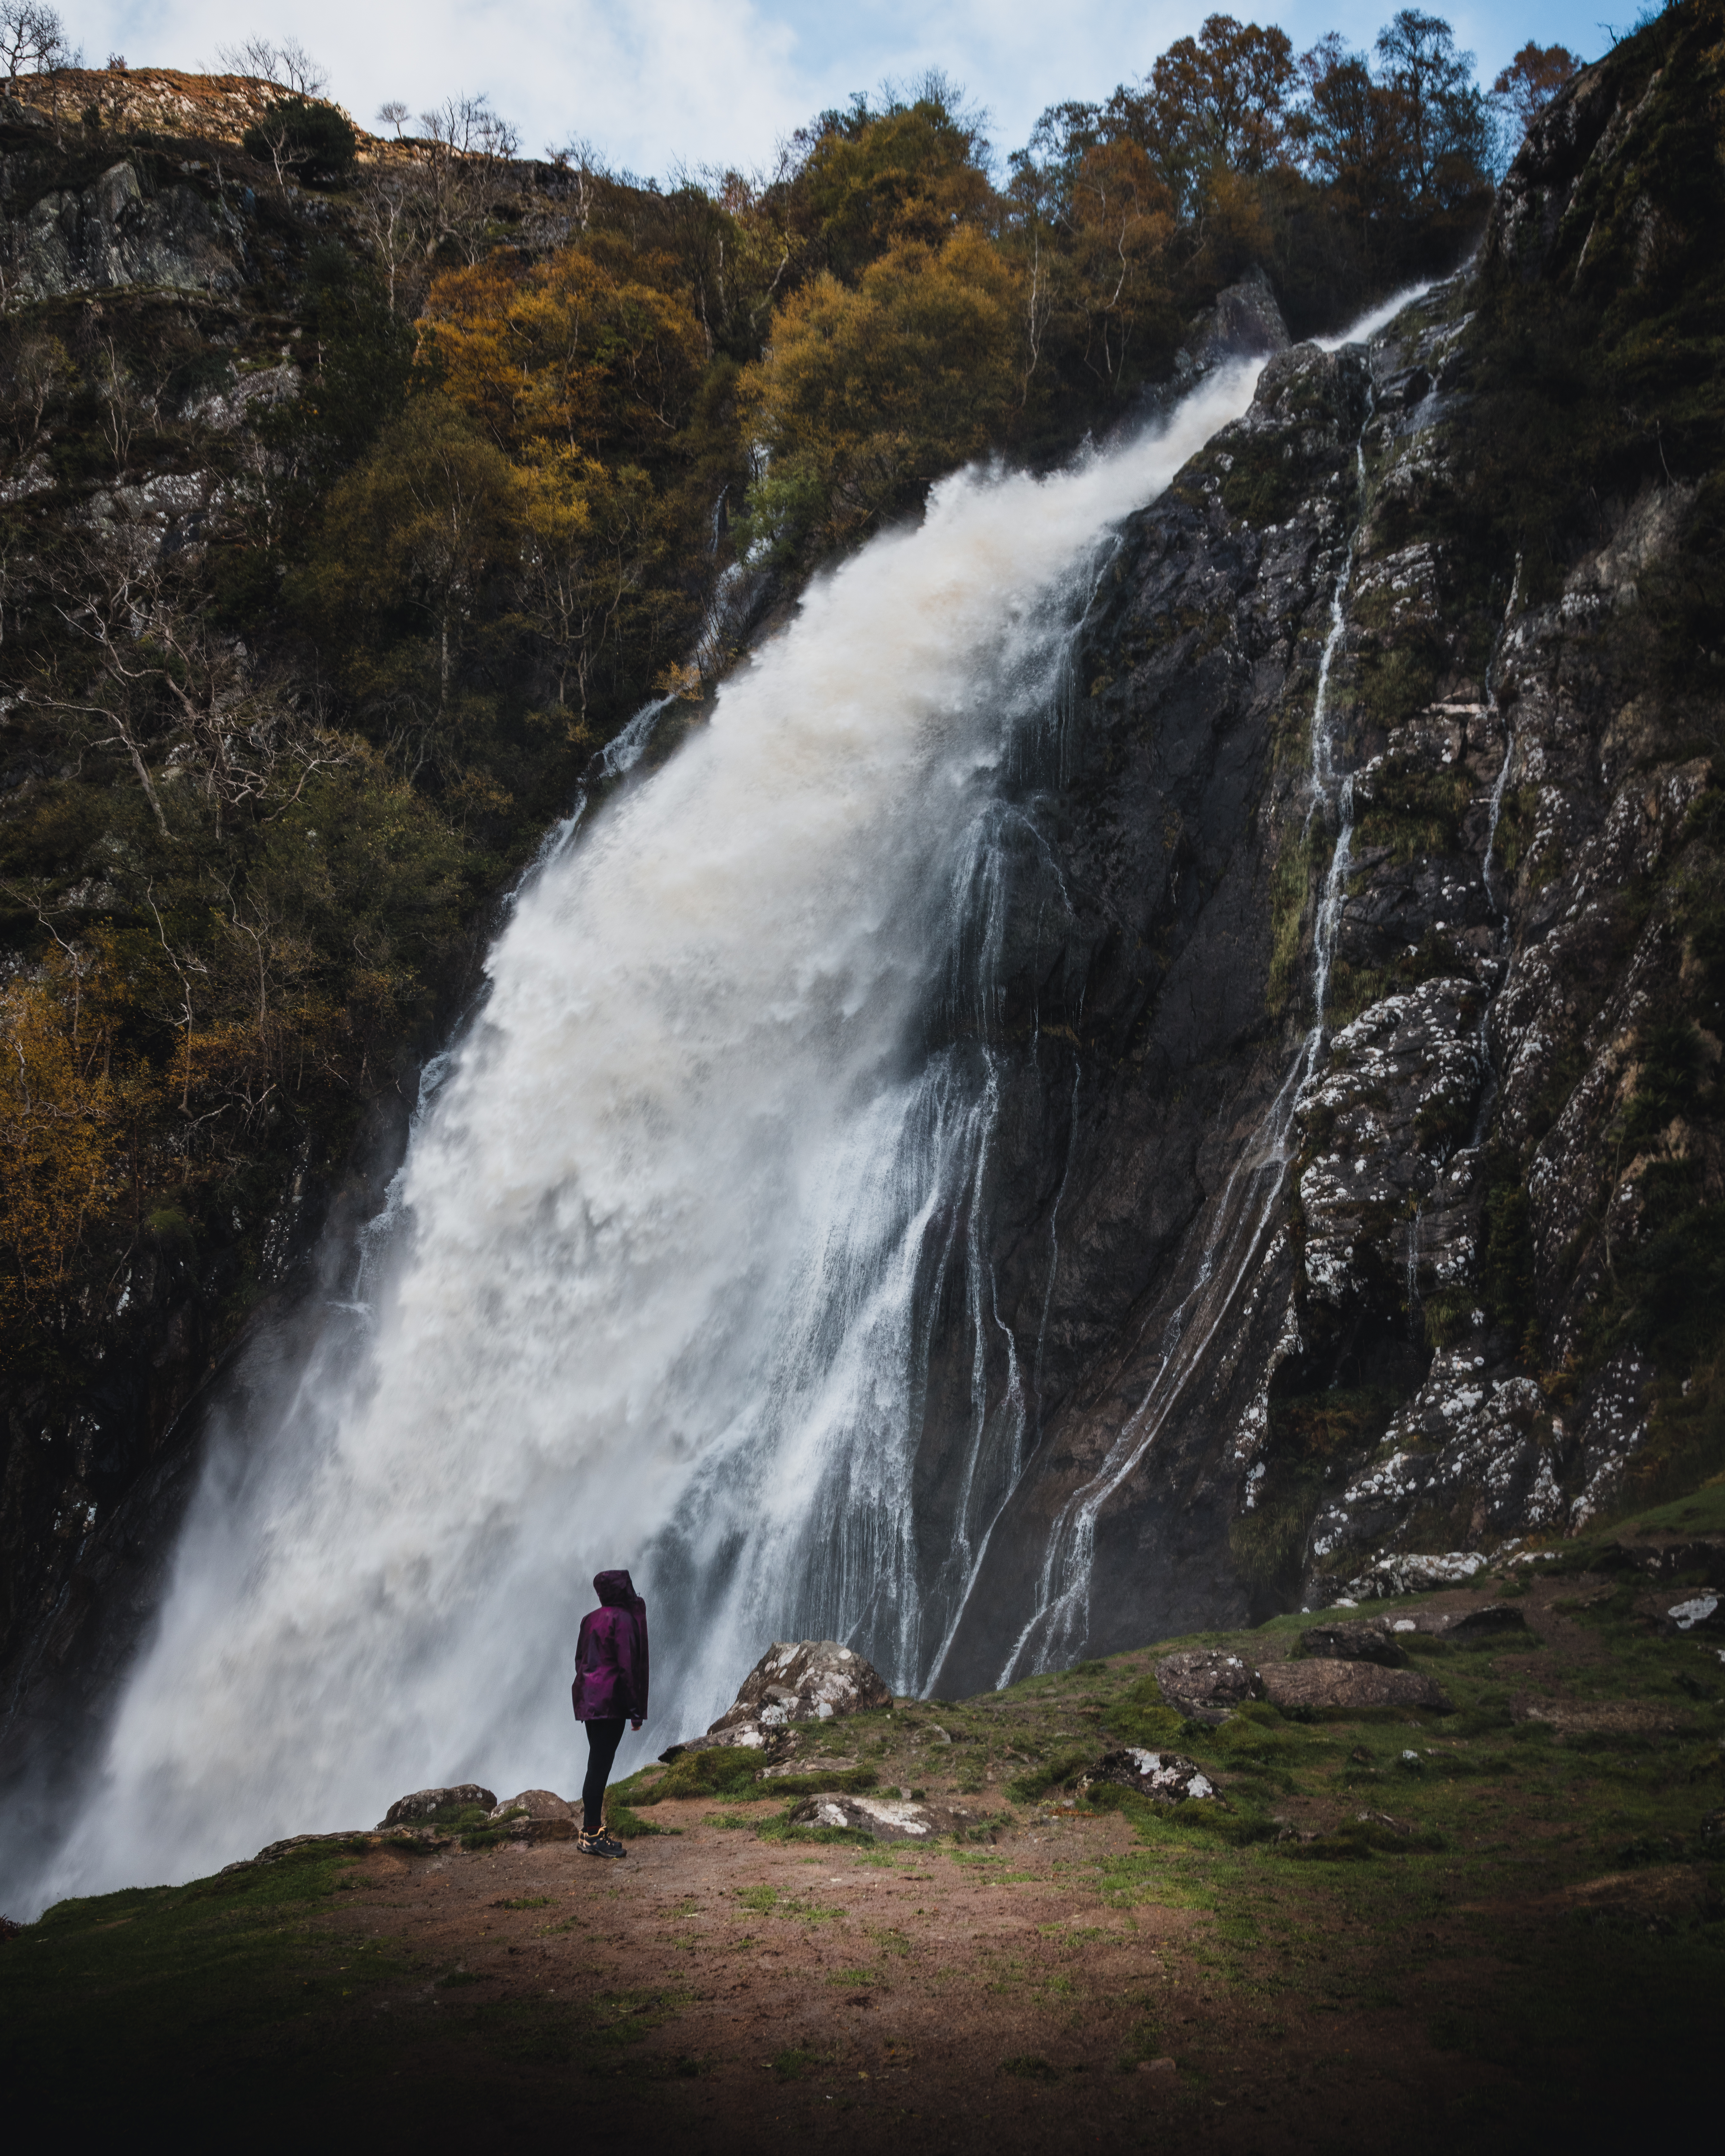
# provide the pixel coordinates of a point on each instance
(657, 1281)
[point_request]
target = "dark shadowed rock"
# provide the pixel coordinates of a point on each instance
(1350, 1684)
(1206, 1684)
(1352, 1643)
(1490, 1622)
(425, 1804)
(1703, 1560)
(1169, 1777)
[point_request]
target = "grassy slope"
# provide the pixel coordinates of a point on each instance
(1545, 1937)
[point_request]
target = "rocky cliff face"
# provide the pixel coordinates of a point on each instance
(1364, 1204)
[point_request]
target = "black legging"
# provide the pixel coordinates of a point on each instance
(602, 1739)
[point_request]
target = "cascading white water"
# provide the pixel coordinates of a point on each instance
(654, 1290)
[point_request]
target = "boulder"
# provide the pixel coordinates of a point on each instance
(1205, 1684)
(1168, 1776)
(887, 1819)
(1350, 1684)
(424, 1805)
(1352, 1643)
(1700, 1611)
(536, 1804)
(536, 1816)
(799, 1681)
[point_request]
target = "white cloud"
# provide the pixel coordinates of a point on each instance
(654, 83)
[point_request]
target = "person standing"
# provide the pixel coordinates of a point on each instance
(610, 1688)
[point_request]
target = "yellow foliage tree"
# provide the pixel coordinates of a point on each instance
(868, 393)
(576, 350)
(1116, 282)
(69, 1124)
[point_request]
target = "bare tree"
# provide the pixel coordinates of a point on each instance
(34, 365)
(391, 212)
(289, 66)
(141, 671)
(391, 114)
(33, 37)
(122, 408)
(465, 154)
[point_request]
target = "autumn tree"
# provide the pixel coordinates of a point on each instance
(869, 392)
(1217, 101)
(1531, 81)
(73, 1109)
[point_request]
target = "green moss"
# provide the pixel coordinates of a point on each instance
(1412, 813)
(1313, 1436)
(1290, 889)
(728, 1770)
(1393, 684)
(1052, 1774)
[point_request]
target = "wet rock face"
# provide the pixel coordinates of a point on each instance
(1485, 1448)
(1379, 1126)
(1153, 1038)
(1335, 1152)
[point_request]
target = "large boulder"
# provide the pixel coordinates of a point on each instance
(534, 1804)
(535, 1815)
(1168, 1777)
(799, 1681)
(425, 1806)
(1206, 1684)
(1350, 1684)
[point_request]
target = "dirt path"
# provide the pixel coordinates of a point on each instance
(953, 1999)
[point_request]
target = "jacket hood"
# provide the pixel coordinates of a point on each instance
(617, 1591)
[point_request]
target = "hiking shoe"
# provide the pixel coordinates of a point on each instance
(599, 1845)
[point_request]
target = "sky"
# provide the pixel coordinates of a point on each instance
(656, 85)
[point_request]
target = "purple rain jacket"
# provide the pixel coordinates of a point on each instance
(611, 1654)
